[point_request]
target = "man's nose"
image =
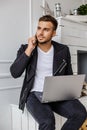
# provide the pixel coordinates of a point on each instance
(41, 32)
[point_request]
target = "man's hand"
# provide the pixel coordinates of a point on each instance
(31, 45)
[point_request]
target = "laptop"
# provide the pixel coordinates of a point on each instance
(60, 88)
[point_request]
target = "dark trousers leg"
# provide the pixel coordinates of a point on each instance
(41, 112)
(73, 110)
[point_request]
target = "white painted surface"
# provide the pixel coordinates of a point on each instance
(22, 121)
(13, 27)
(36, 13)
(14, 30)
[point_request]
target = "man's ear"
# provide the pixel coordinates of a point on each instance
(54, 33)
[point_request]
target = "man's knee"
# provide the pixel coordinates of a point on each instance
(81, 114)
(47, 124)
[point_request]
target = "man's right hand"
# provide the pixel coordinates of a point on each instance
(31, 45)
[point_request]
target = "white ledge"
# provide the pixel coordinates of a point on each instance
(82, 20)
(74, 19)
(6, 61)
(7, 75)
(10, 88)
(79, 18)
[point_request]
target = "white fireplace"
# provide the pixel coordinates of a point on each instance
(73, 34)
(82, 63)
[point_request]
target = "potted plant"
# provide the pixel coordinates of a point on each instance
(82, 10)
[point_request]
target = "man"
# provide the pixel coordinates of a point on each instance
(41, 57)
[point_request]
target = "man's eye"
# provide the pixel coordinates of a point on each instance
(46, 29)
(38, 28)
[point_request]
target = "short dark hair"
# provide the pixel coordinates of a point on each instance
(49, 18)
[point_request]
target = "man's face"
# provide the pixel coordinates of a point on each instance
(45, 32)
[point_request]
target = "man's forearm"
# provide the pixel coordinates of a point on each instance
(19, 65)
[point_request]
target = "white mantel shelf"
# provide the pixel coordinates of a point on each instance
(81, 19)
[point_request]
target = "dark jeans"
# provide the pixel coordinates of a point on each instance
(73, 110)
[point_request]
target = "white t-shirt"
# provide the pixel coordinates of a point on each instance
(44, 68)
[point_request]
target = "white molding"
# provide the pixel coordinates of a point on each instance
(10, 88)
(30, 17)
(6, 61)
(77, 45)
(7, 75)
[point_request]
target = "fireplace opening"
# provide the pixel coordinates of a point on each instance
(82, 63)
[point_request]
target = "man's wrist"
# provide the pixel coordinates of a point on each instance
(28, 52)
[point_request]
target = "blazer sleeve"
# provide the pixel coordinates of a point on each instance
(20, 63)
(69, 70)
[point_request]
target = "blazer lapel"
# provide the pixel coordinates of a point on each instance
(58, 58)
(32, 66)
(34, 59)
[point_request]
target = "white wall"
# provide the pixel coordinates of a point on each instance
(14, 30)
(66, 6)
(17, 23)
(36, 13)
(13, 26)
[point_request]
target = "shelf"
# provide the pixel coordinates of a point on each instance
(79, 18)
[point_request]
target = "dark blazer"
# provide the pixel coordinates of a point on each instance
(61, 66)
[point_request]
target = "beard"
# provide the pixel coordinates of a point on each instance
(45, 41)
